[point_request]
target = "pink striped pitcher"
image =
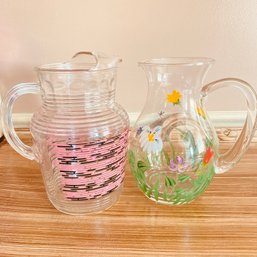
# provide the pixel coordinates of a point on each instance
(80, 134)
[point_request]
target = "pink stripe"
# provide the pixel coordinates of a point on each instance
(101, 178)
(62, 161)
(89, 149)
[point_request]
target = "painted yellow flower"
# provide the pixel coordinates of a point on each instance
(174, 97)
(150, 137)
(201, 112)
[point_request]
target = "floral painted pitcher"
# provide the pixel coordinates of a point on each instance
(174, 149)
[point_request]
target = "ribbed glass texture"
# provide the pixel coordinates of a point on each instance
(80, 139)
(80, 133)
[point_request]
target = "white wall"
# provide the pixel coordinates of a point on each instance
(42, 31)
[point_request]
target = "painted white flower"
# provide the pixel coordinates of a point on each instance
(150, 139)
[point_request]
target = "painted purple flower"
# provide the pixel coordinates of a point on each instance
(139, 131)
(179, 165)
(161, 113)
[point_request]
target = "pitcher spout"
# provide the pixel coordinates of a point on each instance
(106, 62)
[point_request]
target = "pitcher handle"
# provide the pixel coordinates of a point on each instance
(7, 121)
(102, 61)
(86, 53)
(226, 161)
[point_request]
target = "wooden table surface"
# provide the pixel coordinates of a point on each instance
(222, 222)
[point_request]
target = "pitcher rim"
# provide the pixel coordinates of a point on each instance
(178, 61)
(78, 67)
(58, 67)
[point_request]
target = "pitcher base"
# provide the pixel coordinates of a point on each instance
(87, 207)
(166, 187)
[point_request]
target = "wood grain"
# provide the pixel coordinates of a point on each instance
(222, 222)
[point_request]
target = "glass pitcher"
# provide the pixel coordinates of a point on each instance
(174, 149)
(79, 134)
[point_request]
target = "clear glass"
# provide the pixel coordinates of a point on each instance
(174, 149)
(80, 133)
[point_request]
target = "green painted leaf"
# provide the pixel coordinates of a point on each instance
(156, 190)
(149, 192)
(176, 200)
(200, 180)
(208, 142)
(169, 182)
(173, 152)
(156, 194)
(138, 171)
(147, 162)
(189, 138)
(172, 182)
(165, 196)
(131, 158)
(167, 158)
(189, 196)
(143, 187)
(183, 178)
(211, 172)
(142, 166)
(140, 175)
(179, 190)
(199, 167)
